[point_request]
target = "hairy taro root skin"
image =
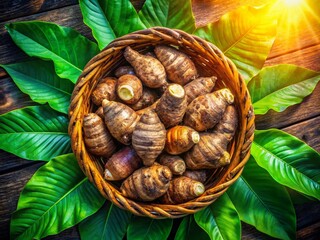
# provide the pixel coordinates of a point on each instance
(180, 139)
(147, 183)
(120, 120)
(148, 69)
(205, 111)
(105, 89)
(97, 138)
(179, 67)
(124, 70)
(175, 163)
(197, 175)
(129, 88)
(182, 189)
(148, 138)
(199, 86)
(172, 105)
(122, 164)
(149, 96)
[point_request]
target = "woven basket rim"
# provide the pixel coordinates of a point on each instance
(107, 60)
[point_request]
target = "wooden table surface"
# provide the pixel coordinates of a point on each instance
(300, 46)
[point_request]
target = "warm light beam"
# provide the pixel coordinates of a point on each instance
(293, 3)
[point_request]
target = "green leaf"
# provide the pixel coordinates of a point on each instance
(109, 19)
(37, 78)
(110, 222)
(220, 219)
(57, 197)
(281, 86)
(289, 161)
(190, 230)
(69, 50)
(167, 13)
(245, 35)
(34, 133)
(146, 228)
(263, 203)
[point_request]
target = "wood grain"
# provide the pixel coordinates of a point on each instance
(10, 9)
(11, 185)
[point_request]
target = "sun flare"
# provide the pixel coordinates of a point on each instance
(293, 3)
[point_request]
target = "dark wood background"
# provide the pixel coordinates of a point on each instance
(300, 46)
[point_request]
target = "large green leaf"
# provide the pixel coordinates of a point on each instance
(38, 79)
(245, 35)
(289, 161)
(263, 203)
(109, 19)
(69, 50)
(220, 219)
(34, 133)
(281, 86)
(168, 13)
(146, 228)
(110, 222)
(190, 230)
(57, 197)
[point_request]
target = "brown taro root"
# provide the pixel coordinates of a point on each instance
(205, 111)
(198, 175)
(149, 137)
(105, 89)
(149, 96)
(179, 67)
(148, 69)
(122, 164)
(175, 163)
(123, 70)
(99, 112)
(97, 138)
(129, 89)
(172, 105)
(147, 183)
(199, 86)
(180, 139)
(182, 189)
(210, 152)
(120, 120)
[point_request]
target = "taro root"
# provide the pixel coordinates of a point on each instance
(198, 175)
(97, 138)
(199, 86)
(180, 139)
(122, 164)
(123, 70)
(105, 89)
(149, 96)
(120, 120)
(205, 111)
(172, 105)
(182, 189)
(148, 138)
(175, 163)
(129, 89)
(147, 183)
(179, 67)
(148, 69)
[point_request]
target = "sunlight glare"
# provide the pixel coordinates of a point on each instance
(293, 3)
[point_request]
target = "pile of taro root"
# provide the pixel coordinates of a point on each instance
(159, 126)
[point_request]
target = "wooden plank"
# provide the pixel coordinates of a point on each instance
(12, 9)
(308, 131)
(309, 108)
(308, 57)
(11, 186)
(11, 97)
(10, 162)
(68, 16)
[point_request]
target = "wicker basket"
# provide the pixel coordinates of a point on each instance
(209, 60)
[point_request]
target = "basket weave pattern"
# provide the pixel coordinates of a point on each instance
(209, 61)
